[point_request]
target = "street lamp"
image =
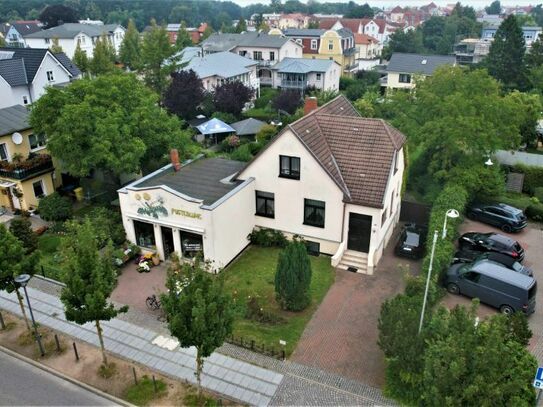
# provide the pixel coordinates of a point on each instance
(451, 213)
(428, 280)
(23, 280)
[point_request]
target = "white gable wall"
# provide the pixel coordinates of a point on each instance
(12, 96)
(40, 82)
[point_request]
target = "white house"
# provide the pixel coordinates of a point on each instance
(332, 177)
(403, 69)
(301, 73)
(261, 47)
(217, 68)
(25, 73)
(368, 51)
(17, 30)
(70, 34)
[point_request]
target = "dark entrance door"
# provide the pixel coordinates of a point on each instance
(167, 241)
(359, 232)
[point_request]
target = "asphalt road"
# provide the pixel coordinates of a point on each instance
(22, 384)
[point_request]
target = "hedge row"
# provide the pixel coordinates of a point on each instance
(452, 197)
(533, 177)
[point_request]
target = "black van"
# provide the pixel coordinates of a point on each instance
(494, 284)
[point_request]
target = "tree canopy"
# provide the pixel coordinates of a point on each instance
(494, 8)
(293, 277)
(129, 53)
(184, 95)
(155, 49)
(183, 39)
(112, 123)
(57, 14)
(231, 97)
(80, 59)
(103, 57)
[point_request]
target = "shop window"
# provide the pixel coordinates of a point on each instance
(191, 244)
(37, 141)
(145, 234)
(314, 213)
(289, 167)
(39, 191)
(405, 78)
(313, 248)
(3, 152)
(265, 204)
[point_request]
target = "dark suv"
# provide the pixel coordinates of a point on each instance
(473, 256)
(491, 242)
(507, 218)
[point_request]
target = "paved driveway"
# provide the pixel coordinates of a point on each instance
(342, 335)
(532, 240)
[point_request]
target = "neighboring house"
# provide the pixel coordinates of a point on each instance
(396, 14)
(368, 51)
(376, 28)
(266, 49)
(403, 69)
(271, 19)
(294, 20)
(27, 172)
(301, 73)
(471, 51)
(213, 130)
(17, 30)
(327, 44)
(220, 67)
(332, 177)
(530, 34)
(195, 33)
(70, 34)
(248, 127)
(25, 74)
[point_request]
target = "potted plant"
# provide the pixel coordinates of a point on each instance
(156, 259)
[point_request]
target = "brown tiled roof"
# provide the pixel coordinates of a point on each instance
(364, 39)
(355, 151)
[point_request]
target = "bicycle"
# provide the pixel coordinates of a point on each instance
(152, 302)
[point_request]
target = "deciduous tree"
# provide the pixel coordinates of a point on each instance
(129, 53)
(14, 261)
(21, 228)
(80, 59)
(90, 279)
(231, 97)
(183, 39)
(198, 309)
(184, 94)
(293, 277)
(241, 26)
(288, 100)
(58, 14)
(155, 50)
(55, 208)
(112, 123)
(103, 57)
(494, 8)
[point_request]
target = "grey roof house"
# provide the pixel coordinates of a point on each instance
(403, 68)
(15, 32)
(301, 73)
(248, 127)
(26, 72)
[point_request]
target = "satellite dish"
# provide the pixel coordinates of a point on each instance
(17, 138)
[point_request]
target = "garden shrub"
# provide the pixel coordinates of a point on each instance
(107, 225)
(538, 193)
(55, 208)
(242, 153)
(255, 148)
(355, 91)
(266, 96)
(533, 177)
(21, 228)
(267, 237)
(261, 114)
(266, 133)
(535, 212)
(230, 143)
(293, 277)
(228, 118)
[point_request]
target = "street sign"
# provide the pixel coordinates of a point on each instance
(538, 381)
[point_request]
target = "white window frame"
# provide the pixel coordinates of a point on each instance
(314, 45)
(50, 76)
(41, 142)
(4, 149)
(40, 181)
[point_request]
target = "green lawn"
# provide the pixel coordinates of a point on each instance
(252, 274)
(48, 245)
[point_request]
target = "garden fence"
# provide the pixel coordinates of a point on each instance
(256, 347)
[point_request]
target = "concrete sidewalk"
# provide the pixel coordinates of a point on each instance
(222, 374)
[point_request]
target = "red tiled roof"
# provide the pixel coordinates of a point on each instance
(397, 9)
(350, 23)
(364, 39)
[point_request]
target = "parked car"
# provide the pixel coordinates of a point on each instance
(506, 217)
(472, 256)
(411, 241)
(492, 242)
(494, 284)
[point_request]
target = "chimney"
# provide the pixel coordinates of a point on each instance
(310, 105)
(174, 158)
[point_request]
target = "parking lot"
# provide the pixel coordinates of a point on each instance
(531, 239)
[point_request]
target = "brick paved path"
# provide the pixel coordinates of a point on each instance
(300, 384)
(342, 335)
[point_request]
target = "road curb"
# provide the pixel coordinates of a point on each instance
(65, 377)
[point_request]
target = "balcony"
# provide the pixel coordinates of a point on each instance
(294, 84)
(38, 164)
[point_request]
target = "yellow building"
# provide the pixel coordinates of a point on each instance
(27, 171)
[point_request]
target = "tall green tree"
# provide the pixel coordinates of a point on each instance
(103, 57)
(401, 41)
(90, 278)
(112, 123)
(534, 58)
(494, 8)
(155, 50)
(183, 39)
(198, 309)
(80, 59)
(293, 277)
(129, 53)
(21, 228)
(14, 262)
(241, 26)
(505, 60)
